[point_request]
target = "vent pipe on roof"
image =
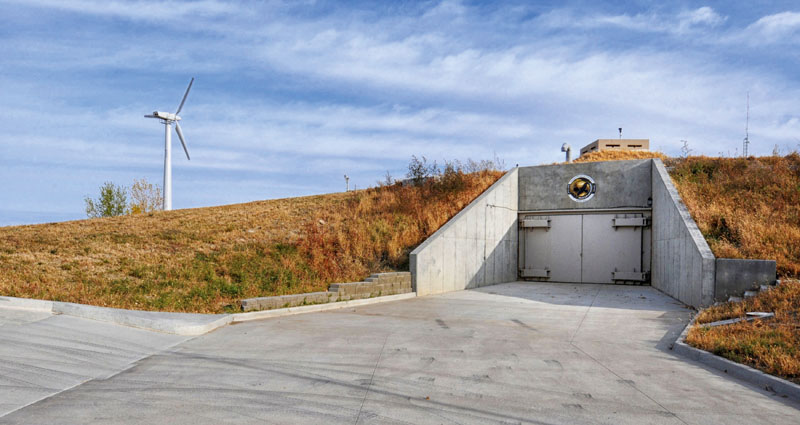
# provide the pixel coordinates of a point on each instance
(568, 149)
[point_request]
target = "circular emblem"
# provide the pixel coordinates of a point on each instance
(581, 188)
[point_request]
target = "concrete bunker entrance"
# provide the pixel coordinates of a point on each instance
(580, 246)
(615, 222)
(585, 223)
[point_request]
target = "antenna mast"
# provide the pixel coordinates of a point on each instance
(746, 142)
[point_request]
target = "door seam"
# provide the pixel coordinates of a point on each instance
(582, 230)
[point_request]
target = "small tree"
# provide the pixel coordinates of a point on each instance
(145, 197)
(421, 170)
(113, 201)
(685, 151)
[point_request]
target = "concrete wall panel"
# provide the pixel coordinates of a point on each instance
(619, 184)
(476, 247)
(734, 276)
(683, 265)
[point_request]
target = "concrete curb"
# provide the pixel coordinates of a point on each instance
(266, 314)
(190, 324)
(174, 323)
(745, 373)
(26, 304)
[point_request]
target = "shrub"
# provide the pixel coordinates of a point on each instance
(112, 202)
(145, 197)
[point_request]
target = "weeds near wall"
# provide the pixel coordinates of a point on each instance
(772, 345)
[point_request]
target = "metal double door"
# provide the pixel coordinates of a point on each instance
(583, 248)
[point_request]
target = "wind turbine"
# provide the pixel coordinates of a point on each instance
(168, 119)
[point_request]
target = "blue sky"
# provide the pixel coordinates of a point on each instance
(289, 96)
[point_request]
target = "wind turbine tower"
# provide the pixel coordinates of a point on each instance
(168, 119)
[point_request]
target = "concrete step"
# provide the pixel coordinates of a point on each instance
(733, 299)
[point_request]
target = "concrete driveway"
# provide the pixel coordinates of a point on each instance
(511, 353)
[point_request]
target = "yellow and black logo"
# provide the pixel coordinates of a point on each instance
(581, 188)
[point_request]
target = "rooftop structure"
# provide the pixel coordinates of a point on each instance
(625, 144)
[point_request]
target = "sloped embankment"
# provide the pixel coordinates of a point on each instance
(745, 207)
(205, 260)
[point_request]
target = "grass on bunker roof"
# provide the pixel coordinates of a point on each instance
(206, 260)
(619, 155)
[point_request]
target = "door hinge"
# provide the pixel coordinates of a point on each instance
(527, 223)
(632, 276)
(631, 222)
(544, 273)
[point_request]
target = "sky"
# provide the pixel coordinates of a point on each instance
(291, 95)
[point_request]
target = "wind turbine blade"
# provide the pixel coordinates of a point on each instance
(183, 142)
(184, 97)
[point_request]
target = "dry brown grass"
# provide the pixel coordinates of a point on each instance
(772, 345)
(745, 207)
(207, 259)
(749, 208)
(617, 155)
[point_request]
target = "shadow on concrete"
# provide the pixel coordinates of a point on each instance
(625, 297)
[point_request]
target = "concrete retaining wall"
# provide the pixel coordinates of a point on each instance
(477, 247)
(683, 264)
(620, 184)
(379, 284)
(734, 276)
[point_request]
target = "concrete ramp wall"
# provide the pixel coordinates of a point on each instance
(477, 247)
(683, 264)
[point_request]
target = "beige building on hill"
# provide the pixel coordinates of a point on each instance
(624, 144)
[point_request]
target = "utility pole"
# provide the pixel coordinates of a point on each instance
(347, 183)
(746, 142)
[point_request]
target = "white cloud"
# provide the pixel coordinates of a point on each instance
(703, 16)
(279, 93)
(680, 23)
(773, 28)
(137, 9)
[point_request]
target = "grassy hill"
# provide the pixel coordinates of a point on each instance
(206, 259)
(745, 207)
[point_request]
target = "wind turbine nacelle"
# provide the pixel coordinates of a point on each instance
(167, 116)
